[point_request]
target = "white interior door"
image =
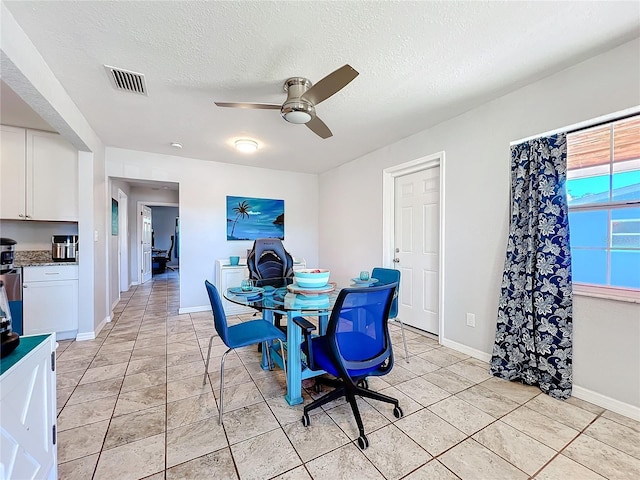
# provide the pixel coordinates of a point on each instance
(416, 240)
(146, 244)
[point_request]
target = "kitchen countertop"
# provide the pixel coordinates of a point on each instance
(36, 258)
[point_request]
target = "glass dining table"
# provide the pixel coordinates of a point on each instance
(281, 296)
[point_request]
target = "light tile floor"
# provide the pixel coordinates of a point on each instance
(131, 405)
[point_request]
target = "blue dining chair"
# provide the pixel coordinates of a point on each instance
(356, 345)
(386, 276)
(236, 336)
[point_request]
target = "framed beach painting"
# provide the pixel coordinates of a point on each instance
(250, 218)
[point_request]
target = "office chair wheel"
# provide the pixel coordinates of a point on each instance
(364, 383)
(397, 412)
(306, 421)
(317, 387)
(363, 442)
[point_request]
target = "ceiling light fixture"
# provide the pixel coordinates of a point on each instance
(176, 145)
(246, 146)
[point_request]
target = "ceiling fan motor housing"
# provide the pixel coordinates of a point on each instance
(296, 109)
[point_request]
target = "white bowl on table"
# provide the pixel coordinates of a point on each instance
(311, 277)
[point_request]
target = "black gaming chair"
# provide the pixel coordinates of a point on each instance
(269, 260)
(269, 263)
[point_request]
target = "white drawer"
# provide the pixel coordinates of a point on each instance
(48, 273)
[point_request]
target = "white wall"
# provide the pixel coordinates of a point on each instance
(114, 280)
(24, 70)
(477, 186)
(35, 235)
(204, 186)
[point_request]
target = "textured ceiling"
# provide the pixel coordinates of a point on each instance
(420, 63)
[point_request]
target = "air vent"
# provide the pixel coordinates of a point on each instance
(126, 80)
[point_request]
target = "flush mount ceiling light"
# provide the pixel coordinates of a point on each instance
(176, 145)
(245, 145)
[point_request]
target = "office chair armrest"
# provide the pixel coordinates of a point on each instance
(307, 327)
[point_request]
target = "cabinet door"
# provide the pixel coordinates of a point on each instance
(12, 172)
(232, 277)
(27, 417)
(49, 307)
(52, 177)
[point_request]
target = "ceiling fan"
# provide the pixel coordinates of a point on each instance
(302, 98)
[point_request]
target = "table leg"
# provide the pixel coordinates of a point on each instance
(294, 362)
(268, 316)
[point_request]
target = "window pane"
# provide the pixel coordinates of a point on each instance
(625, 268)
(626, 145)
(589, 266)
(625, 228)
(586, 190)
(626, 184)
(589, 148)
(589, 229)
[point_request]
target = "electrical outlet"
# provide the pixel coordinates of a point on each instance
(471, 320)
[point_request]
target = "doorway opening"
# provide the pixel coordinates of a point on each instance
(413, 239)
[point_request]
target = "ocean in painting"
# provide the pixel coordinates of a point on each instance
(250, 218)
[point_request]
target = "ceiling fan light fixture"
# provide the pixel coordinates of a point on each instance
(297, 117)
(246, 145)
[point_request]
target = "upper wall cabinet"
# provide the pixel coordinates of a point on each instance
(38, 176)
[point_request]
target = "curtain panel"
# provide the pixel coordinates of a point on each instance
(534, 330)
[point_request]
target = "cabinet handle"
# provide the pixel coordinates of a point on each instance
(52, 273)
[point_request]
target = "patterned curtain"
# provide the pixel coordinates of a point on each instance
(533, 338)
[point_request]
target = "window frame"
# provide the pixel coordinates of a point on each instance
(596, 290)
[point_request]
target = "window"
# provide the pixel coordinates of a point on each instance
(603, 191)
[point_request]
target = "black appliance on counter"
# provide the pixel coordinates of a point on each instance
(11, 279)
(7, 254)
(8, 339)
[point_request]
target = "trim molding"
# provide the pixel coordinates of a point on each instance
(92, 335)
(194, 309)
(472, 352)
(609, 403)
(85, 336)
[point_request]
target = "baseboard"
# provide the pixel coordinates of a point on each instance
(92, 335)
(472, 352)
(202, 308)
(85, 336)
(609, 403)
(113, 305)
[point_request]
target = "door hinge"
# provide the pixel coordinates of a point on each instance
(53, 361)
(54, 435)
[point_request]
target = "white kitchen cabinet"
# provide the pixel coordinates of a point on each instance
(28, 411)
(39, 178)
(50, 300)
(228, 276)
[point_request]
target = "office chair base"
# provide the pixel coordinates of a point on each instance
(350, 392)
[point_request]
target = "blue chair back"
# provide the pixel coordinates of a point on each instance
(268, 259)
(357, 330)
(219, 317)
(386, 276)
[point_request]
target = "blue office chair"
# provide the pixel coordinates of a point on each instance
(386, 276)
(235, 336)
(356, 345)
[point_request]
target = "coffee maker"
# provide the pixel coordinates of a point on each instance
(8, 339)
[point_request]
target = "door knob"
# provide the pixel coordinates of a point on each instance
(396, 260)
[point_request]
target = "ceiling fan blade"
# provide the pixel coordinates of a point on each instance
(263, 106)
(318, 127)
(330, 84)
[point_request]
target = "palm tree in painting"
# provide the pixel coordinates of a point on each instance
(241, 211)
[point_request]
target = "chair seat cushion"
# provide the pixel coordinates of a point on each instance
(353, 348)
(249, 333)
